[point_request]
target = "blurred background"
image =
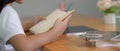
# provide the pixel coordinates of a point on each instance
(32, 8)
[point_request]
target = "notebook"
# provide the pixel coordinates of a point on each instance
(47, 24)
(77, 29)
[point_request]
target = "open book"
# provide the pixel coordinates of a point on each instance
(47, 24)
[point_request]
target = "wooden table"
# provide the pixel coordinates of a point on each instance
(74, 43)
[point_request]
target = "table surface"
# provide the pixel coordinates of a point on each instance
(74, 43)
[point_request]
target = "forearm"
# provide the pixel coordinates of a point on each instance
(31, 43)
(42, 39)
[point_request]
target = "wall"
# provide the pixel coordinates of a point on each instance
(44, 7)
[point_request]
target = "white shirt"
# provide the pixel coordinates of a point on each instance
(10, 24)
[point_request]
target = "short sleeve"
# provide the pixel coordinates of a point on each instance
(10, 25)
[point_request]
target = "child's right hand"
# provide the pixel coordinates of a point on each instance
(61, 25)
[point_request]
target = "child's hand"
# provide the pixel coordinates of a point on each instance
(28, 24)
(61, 25)
(39, 19)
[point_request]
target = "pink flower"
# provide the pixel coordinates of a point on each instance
(115, 3)
(118, 2)
(107, 5)
(104, 5)
(107, 1)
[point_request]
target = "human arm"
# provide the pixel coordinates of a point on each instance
(31, 43)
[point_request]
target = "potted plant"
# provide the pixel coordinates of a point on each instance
(109, 8)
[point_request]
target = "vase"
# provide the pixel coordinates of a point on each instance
(110, 18)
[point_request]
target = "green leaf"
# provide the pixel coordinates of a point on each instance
(113, 9)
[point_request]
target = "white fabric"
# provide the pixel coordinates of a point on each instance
(9, 47)
(10, 24)
(2, 43)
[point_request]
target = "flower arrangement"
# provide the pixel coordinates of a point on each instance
(109, 6)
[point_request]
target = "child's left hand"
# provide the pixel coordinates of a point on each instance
(38, 20)
(28, 24)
